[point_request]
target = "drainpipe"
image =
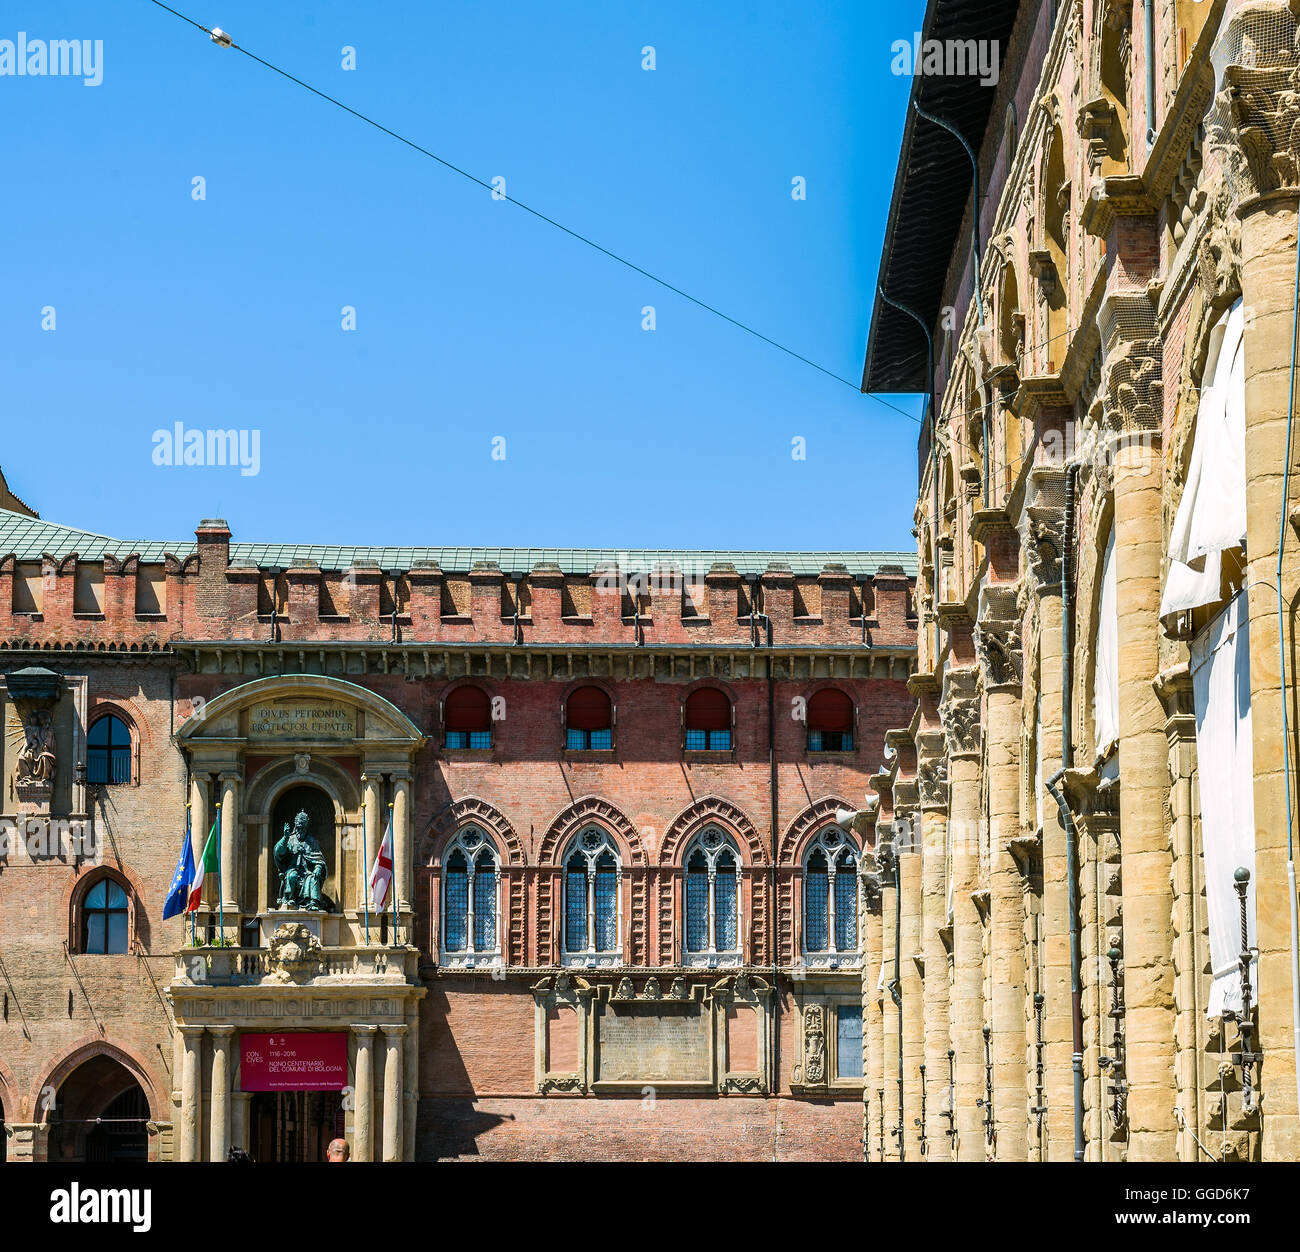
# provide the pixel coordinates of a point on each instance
(773, 799)
(1282, 691)
(1149, 34)
(1057, 792)
(934, 459)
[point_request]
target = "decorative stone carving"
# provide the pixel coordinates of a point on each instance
(997, 643)
(814, 1045)
(1042, 536)
(295, 954)
(931, 769)
(959, 710)
(1255, 122)
(678, 989)
(1218, 255)
(35, 691)
(624, 990)
(302, 762)
(651, 990)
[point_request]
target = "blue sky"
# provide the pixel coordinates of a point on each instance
(474, 321)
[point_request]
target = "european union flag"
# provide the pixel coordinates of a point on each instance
(179, 892)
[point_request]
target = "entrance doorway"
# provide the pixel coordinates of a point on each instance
(100, 1114)
(294, 1126)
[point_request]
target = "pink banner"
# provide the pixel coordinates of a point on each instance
(304, 1060)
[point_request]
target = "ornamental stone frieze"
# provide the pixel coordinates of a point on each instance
(1132, 383)
(1254, 125)
(1042, 530)
(932, 770)
(959, 710)
(997, 640)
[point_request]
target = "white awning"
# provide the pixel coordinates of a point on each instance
(1105, 674)
(1211, 516)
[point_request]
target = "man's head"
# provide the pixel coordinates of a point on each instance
(338, 1150)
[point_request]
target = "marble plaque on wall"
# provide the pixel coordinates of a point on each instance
(659, 1041)
(292, 719)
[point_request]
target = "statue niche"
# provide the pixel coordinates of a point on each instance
(301, 865)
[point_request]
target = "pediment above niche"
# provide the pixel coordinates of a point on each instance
(274, 712)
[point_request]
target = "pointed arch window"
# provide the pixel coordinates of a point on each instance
(593, 909)
(712, 900)
(831, 899)
(471, 874)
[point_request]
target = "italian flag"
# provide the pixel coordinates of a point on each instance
(207, 862)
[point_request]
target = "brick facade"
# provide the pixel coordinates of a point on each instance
(169, 637)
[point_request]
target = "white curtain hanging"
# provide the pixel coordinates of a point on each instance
(1211, 516)
(1221, 699)
(1105, 677)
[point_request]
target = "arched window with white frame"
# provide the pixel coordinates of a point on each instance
(830, 900)
(471, 873)
(593, 904)
(712, 913)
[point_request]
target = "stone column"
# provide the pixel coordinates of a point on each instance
(1268, 209)
(199, 821)
(219, 1094)
(934, 891)
(230, 848)
(960, 713)
(889, 1072)
(370, 818)
(363, 1095)
(239, 1102)
(872, 1026)
(392, 1142)
(909, 864)
(967, 1007)
(998, 644)
(1146, 856)
(402, 840)
(191, 1095)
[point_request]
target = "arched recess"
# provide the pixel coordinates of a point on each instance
(1051, 261)
(462, 812)
(273, 783)
(706, 811)
(588, 811)
(84, 1051)
(805, 825)
(97, 1080)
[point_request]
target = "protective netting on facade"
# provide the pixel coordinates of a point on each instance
(1256, 65)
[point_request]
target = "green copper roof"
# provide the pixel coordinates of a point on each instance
(29, 538)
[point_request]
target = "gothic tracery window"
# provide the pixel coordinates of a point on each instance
(593, 871)
(471, 871)
(831, 898)
(712, 900)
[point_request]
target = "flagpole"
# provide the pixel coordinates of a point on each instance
(189, 839)
(365, 872)
(392, 871)
(221, 908)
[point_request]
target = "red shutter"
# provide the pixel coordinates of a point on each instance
(468, 708)
(830, 709)
(708, 709)
(589, 709)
